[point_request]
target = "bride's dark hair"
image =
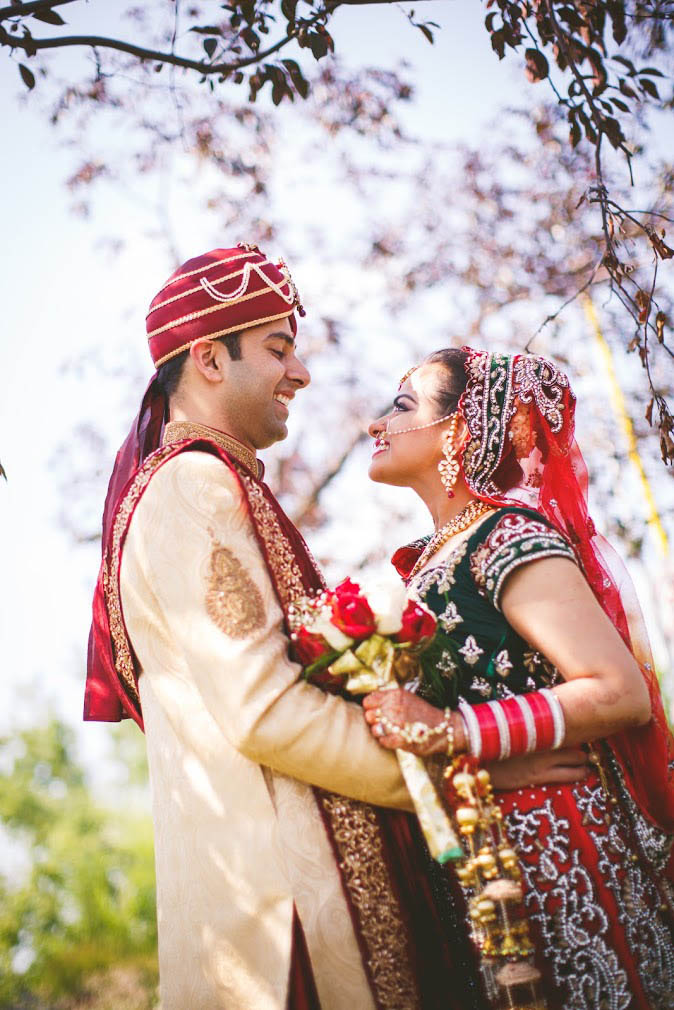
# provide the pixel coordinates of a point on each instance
(454, 379)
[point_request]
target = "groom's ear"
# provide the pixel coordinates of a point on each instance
(207, 358)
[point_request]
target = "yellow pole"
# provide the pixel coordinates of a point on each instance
(620, 408)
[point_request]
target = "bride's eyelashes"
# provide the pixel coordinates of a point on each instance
(398, 404)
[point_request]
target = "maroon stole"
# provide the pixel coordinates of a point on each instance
(413, 946)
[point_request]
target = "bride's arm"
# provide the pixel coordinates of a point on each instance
(549, 603)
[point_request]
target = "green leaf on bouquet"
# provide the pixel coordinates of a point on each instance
(320, 664)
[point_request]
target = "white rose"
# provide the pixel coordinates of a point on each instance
(388, 599)
(335, 638)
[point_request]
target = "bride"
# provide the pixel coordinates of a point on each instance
(538, 649)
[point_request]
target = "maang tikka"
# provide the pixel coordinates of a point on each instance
(448, 467)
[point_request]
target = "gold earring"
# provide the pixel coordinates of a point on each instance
(448, 467)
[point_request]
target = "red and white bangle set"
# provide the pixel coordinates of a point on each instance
(496, 730)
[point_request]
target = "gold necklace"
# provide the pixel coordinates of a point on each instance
(465, 518)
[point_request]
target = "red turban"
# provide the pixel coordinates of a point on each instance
(218, 293)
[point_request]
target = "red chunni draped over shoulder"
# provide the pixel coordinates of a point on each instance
(104, 698)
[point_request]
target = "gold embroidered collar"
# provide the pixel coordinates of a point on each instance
(175, 431)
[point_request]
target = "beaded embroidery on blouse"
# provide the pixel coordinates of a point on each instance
(477, 654)
(515, 540)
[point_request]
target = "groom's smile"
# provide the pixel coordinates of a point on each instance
(258, 387)
(283, 400)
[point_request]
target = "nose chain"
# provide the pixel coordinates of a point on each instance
(466, 517)
(418, 427)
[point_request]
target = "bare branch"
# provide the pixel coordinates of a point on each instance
(30, 45)
(656, 16)
(551, 318)
(306, 507)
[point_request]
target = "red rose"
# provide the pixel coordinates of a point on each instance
(418, 623)
(351, 612)
(308, 647)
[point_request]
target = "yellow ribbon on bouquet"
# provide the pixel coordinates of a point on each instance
(376, 665)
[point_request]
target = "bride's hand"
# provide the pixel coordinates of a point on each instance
(570, 764)
(389, 712)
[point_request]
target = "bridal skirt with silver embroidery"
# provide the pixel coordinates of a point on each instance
(596, 898)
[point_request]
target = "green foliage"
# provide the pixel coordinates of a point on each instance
(86, 903)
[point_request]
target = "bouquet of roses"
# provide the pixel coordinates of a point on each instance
(340, 630)
(367, 641)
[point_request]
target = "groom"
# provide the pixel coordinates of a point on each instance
(259, 899)
(287, 878)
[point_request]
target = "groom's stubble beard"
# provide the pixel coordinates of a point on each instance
(254, 421)
(250, 408)
(251, 383)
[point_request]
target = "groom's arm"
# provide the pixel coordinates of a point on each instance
(194, 580)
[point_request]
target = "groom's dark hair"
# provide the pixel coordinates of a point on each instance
(170, 373)
(454, 381)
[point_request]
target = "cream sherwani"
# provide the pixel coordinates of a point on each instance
(235, 742)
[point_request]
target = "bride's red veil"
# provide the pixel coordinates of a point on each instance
(519, 410)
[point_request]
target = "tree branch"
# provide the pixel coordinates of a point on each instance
(597, 115)
(30, 45)
(309, 503)
(642, 16)
(553, 315)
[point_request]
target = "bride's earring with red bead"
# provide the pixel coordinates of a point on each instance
(448, 467)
